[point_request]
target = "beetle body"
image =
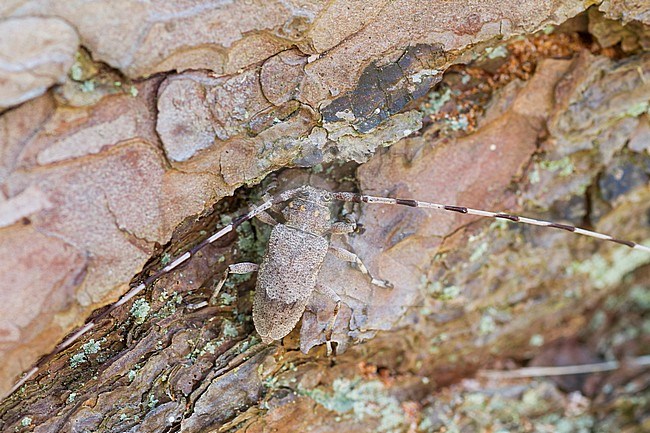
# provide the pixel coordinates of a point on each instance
(288, 274)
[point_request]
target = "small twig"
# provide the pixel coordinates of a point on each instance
(565, 369)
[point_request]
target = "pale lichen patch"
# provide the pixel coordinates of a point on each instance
(140, 310)
(362, 399)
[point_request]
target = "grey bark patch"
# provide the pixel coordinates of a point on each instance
(621, 178)
(238, 388)
(385, 90)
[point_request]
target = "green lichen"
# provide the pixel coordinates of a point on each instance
(227, 298)
(563, 167)
(628, 334)
(242, 318)
(26, 421)
(77, 359)
(604, 273)
(362, 399)
(640, 296)
(459, 123)
(581, 424)
(247, 344)
(71, 398)
(249, 245)
(638, 109)
(165, 259)
(235, 280)
(83, 67)
(229, 329)
(533, 176)
(140, 310)
(210, 347)
(76, 72)
(536, 408)
(487, 325)
(436, 290)
(172, 300)
(436, 101)
(548, 29)
(499, 225)
(91, 347)
(224, 220)
(88, 86)
(479, 252)
(152, 401)
(496, 52)
(536, 340)
(269, 382)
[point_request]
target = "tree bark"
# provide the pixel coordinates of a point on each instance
(110, 155)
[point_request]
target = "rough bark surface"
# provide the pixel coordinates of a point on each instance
(164, 109)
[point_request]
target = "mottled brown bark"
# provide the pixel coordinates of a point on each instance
(169, 108)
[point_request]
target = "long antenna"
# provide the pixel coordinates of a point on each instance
(360, 198)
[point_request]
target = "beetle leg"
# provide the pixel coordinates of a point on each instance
(266, 218)
(343, 228)
(235, 268)
(327, 291)
(349, 256)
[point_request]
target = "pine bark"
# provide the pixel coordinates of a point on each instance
(122, 152)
